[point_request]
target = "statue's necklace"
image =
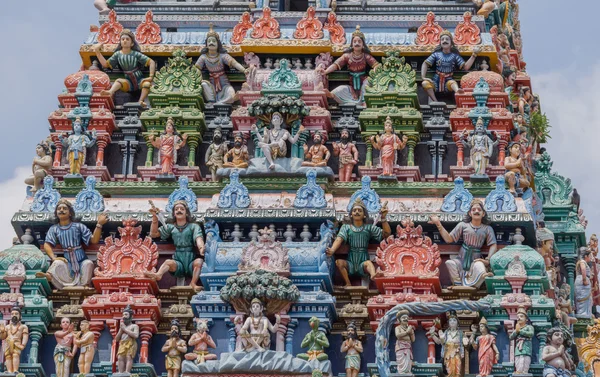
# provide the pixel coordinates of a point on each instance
(357, 229)
(256, 323)
(15, 331)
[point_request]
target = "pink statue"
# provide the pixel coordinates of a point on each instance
(63, 352)
(318, 154)
(388, 143)
(347, 154)
(486, 344)
(201, 342)
(168, 144)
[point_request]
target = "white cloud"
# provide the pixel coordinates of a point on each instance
(571, 104)
(12, 196)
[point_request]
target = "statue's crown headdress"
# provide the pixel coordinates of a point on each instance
(358, 33)
(211, 32)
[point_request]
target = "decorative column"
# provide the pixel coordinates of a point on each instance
(430, 343)
(281, 331)
(502, 143)
(102, 141)
(35, 334)
(442, 149)
(113, 328)
(58, 153)
(289, 336)
(145, 335)
(541, 330)
(230, 323)
(569, 261)
(460, 154)
(96, 328)
(369, 154)
(192, 141)
(150, 154)
(412, 143)
(509, 326)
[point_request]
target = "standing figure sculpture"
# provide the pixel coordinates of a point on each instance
(215, 154)
(357, 58)
(316, 341)
(256, 331)
(557, 360)
(76, 145)
(127, 337)
(451, 341)
(486, 345)
(318, 154)
(214, 58)
(515, 175)
(357, 235)
(353, 347)
(446, 59)
(347, 155)
(201, 341)
(273, 141)
(75, 269)
(14, 338)
(583, 285)
(84, 340)
(64, 351)
(129, 58)
(522, 335)
(40, 167)
(482, 147)
(468, 268)
(237, 157)
(545, 239)
(168, 144)
(388, 144)
(185, 235)
(174, 347)
(405, 337)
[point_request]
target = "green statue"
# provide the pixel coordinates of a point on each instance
(316, 341)
(522, 335)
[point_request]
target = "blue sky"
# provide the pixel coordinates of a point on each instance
(41, 40)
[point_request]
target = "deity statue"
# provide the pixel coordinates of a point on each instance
(84, 340)
(318, 154)
(545, 239)
(64, 351)
(481, 147)
(273, 141)
(558, 362)
(347, 153)
(14, 338)
(185, 234)
(76, 145)
(486, 344)
(239, 323)
(405, 337)
(515, 175)
(353, 347)
(215, 154)
(468, 268)
(215, 58)
(127, 338)
(563, 304)
(357, 57)
(357, 235)
(583, 285)
(168, 144)
(451, 341)
(102, 6)
(237, 157)
(446, 60)
(40, 167)
(75, 269)
(130, 60)
(525, 102)
(388, 144)
(201, 341)
(316, 341)
(256, 330)
(174, 347)
(522, 335)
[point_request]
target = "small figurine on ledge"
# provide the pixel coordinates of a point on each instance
(405, 337)
(273, 141)
(185, 235)
(357, 235)
(127, 338)
(388, 144)
(168, 144)
(76, 145)
(515, 175)
(40, 167)
(215, 154)
(14, 337)
(583, 285)
(357, 57)
(237, 157)
(64, 351)
(318, 154)
(556, 356)
(347, 154)
(482, 148)
(174, 347)
(129, 58)
(452, 342)
(316, 341)
(353, 348)
(256, 332)
(201, 342)
(446, 59)
(523, 334)
(84, 340)
(486, 344)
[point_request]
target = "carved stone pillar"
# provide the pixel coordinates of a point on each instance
(281, 331)
(96, 328)
(150, 153)
(230, 323)
(430, 343)
(509, 326)
(432, 145)
(541, 330)
(570, 261)
(411, 143)
(460, 154)
(146, 329)
(58, 153)
(192, 141)
(369, 154)
(35, 334)
(113, 328)
(289, 336)
(102, 142)
(502, 143)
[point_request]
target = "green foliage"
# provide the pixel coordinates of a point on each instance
(539, 128)
(291, 108)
